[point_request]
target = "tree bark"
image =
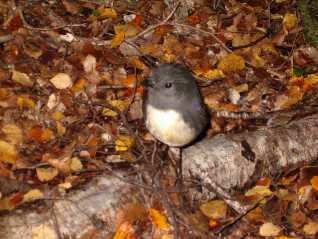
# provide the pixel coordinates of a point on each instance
(235, 161)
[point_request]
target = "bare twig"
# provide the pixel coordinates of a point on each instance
(240, 216)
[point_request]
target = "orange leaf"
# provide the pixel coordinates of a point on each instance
(40, 135)
(125, 231)
(314, 182)
(130, 81)
(213, 223)
(79, 85)
(264, 182)
(158, 219)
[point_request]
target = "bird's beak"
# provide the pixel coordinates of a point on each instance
(147, 83)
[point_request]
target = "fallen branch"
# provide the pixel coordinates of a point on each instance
(228, 162)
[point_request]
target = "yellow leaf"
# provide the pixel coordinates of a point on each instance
(21, 78)
(215, 209)
(46, 174)
(268, 229)
(169, 57)
(311, 228)
(158, 219)
(76, 164)
(290, 20)
(314, 182)
(25, 102)
(32, 195)
(13, 133)
(107, 13)
(109, 113)
(259, 191)
(123, 143)
(118, 39)
(8, 153)
(213, 74)
(231, 63)
(57, 115)
(119, 104)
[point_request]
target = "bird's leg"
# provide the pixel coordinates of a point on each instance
(176, 153)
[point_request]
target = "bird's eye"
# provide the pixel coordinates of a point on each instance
(168, 85)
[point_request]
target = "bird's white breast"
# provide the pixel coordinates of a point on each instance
(169, 127)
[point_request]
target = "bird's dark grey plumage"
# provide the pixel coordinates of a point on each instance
(174, 111)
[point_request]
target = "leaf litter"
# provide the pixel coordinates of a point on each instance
(70, 92)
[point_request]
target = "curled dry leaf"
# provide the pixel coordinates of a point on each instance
(8, 153)
(46, 174)
(22, 78)
(61, 81)
(159, 219)
(215, 209)
(268, 229)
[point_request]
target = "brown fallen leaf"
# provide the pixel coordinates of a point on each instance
(216, 209)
